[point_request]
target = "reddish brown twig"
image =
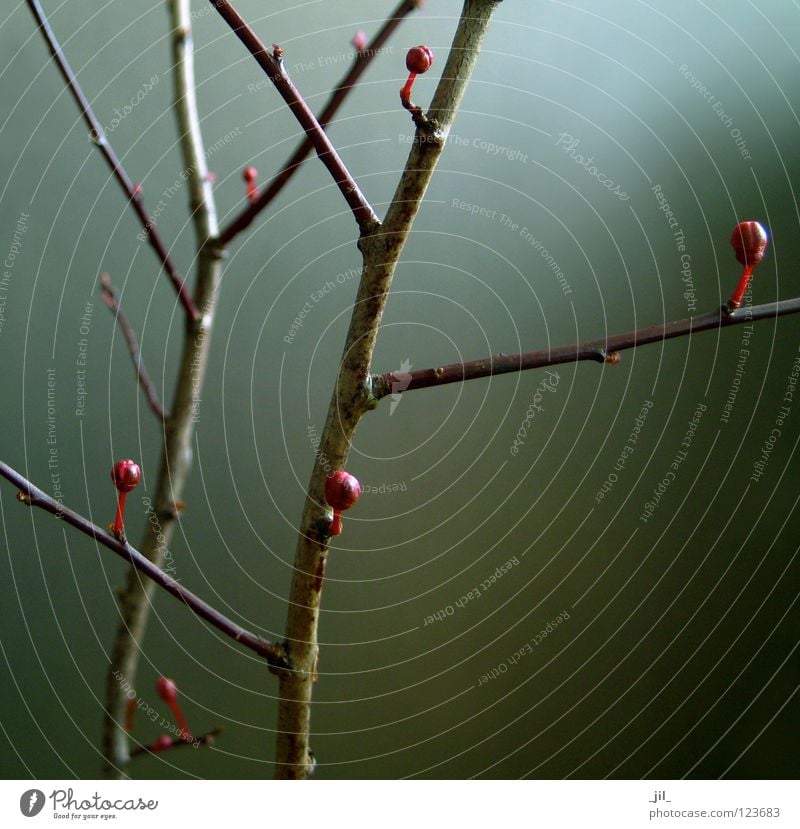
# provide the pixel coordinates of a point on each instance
(363, 59)
(34, 497)
(164, 743)
(98, 136)
(272, 64)
(110, 299)
(600, 351)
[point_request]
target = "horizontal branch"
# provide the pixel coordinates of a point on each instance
(600, 351)
(34, 497)
(362, 60)
(110, 299)
(272, 64)
(99, 138)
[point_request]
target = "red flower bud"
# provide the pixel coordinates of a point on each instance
(126, 475)
(749, 241)
(250, 176)
(359, 40)
(342, 490)
(162, 743)
(167, 689)
(419, 59)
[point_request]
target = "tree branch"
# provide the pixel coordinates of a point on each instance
(201, 194)
(110, 299)
(207, 739)
(337, 98)
(34, 497)
(272, 64)
(98, 136)
(352, 398)
(176, 458)
(600, 351)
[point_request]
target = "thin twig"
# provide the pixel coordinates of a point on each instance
(207, 739)
(98, 136)
(34, 497)
(201, 193)
(272, 64)
(362, 60)
(110, 299)
(600, 350)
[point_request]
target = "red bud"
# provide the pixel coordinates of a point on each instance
(342, 490)
(749, 242)
(162, 743)
(419, 59)
(126, 475)
(167, 689)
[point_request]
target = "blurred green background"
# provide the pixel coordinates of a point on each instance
(676, 650)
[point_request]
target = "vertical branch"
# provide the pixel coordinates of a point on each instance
(136, 598)
(352, 396)
(201, 195)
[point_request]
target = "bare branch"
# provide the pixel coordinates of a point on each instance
(351, 397)
(272, 64)
(34, 497)
(338, 96)
(201, 194)
(110, 299)
(599, 351)
(207, 739)
(176, 458)
(98, 136)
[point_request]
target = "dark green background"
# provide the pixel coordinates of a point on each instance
(679, 656)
